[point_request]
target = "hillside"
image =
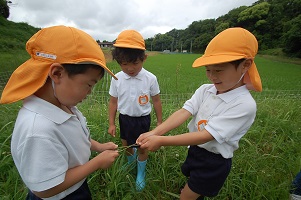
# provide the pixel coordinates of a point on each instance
(14, 35)
(12, 45)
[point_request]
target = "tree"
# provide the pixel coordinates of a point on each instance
(292, 37)
(161, 42)
(201, 42)
(149, 44)
(221, 26)
(4, 9)
(248, 17)
(231, 17)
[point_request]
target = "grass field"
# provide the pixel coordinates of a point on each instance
(263, 167)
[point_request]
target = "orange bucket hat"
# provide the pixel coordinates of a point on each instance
(57, 44)
(130, 39)
(229, 45)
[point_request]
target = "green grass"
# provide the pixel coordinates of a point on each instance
(263, 166)
(14, 35)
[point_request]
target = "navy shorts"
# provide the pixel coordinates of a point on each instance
(82, 193)
(296, 185)
(206, 171)
(132, 127)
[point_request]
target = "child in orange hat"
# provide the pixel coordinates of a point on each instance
(51, 143)
(130, 95)
(222, 113)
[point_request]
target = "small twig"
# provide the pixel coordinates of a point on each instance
(123, 148)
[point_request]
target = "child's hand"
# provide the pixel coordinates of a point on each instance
(106, 158)
(108, 146)
(152, 143)
(112, 130)
(143, 136)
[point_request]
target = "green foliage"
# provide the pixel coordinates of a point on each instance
(292, 37)
(201, 42)
(221, 26)
(4, 9)
(14, 35)
(231, 17)
(260, 23)
(254, 13)
(162, 42)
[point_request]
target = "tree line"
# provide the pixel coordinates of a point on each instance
(275, 23)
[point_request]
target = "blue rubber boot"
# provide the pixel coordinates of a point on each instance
(140, 181)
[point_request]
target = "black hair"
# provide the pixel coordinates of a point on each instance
(237, 62)
(127, 55)
(74, 69)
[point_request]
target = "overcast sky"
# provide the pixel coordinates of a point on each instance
(105, 19)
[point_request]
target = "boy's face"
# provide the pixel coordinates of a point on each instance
(132, 68)
(72, 90)
(225, 76)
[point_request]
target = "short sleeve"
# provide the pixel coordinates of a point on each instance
(43, 164)
(155, 89)
(192, 105)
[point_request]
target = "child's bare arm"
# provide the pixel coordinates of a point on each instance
(158, 108)
(112, 115)
(173, 121)
(100, 147)
(154, 142)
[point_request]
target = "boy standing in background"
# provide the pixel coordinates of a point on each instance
(130, 95)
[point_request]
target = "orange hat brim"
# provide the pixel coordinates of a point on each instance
(124, 45)
(216, 59)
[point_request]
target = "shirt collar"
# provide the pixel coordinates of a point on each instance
(46, 109)
(138, 76)
(230, 95)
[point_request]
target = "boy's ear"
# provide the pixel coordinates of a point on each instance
(56, 71)
(145, 57)
(247, 64)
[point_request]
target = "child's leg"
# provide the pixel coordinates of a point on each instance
(188, 194)
(142, 160)
(130, 152)
(143, 154)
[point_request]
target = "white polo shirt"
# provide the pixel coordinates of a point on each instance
(227, 117)
(46, 142)
(134, 93)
